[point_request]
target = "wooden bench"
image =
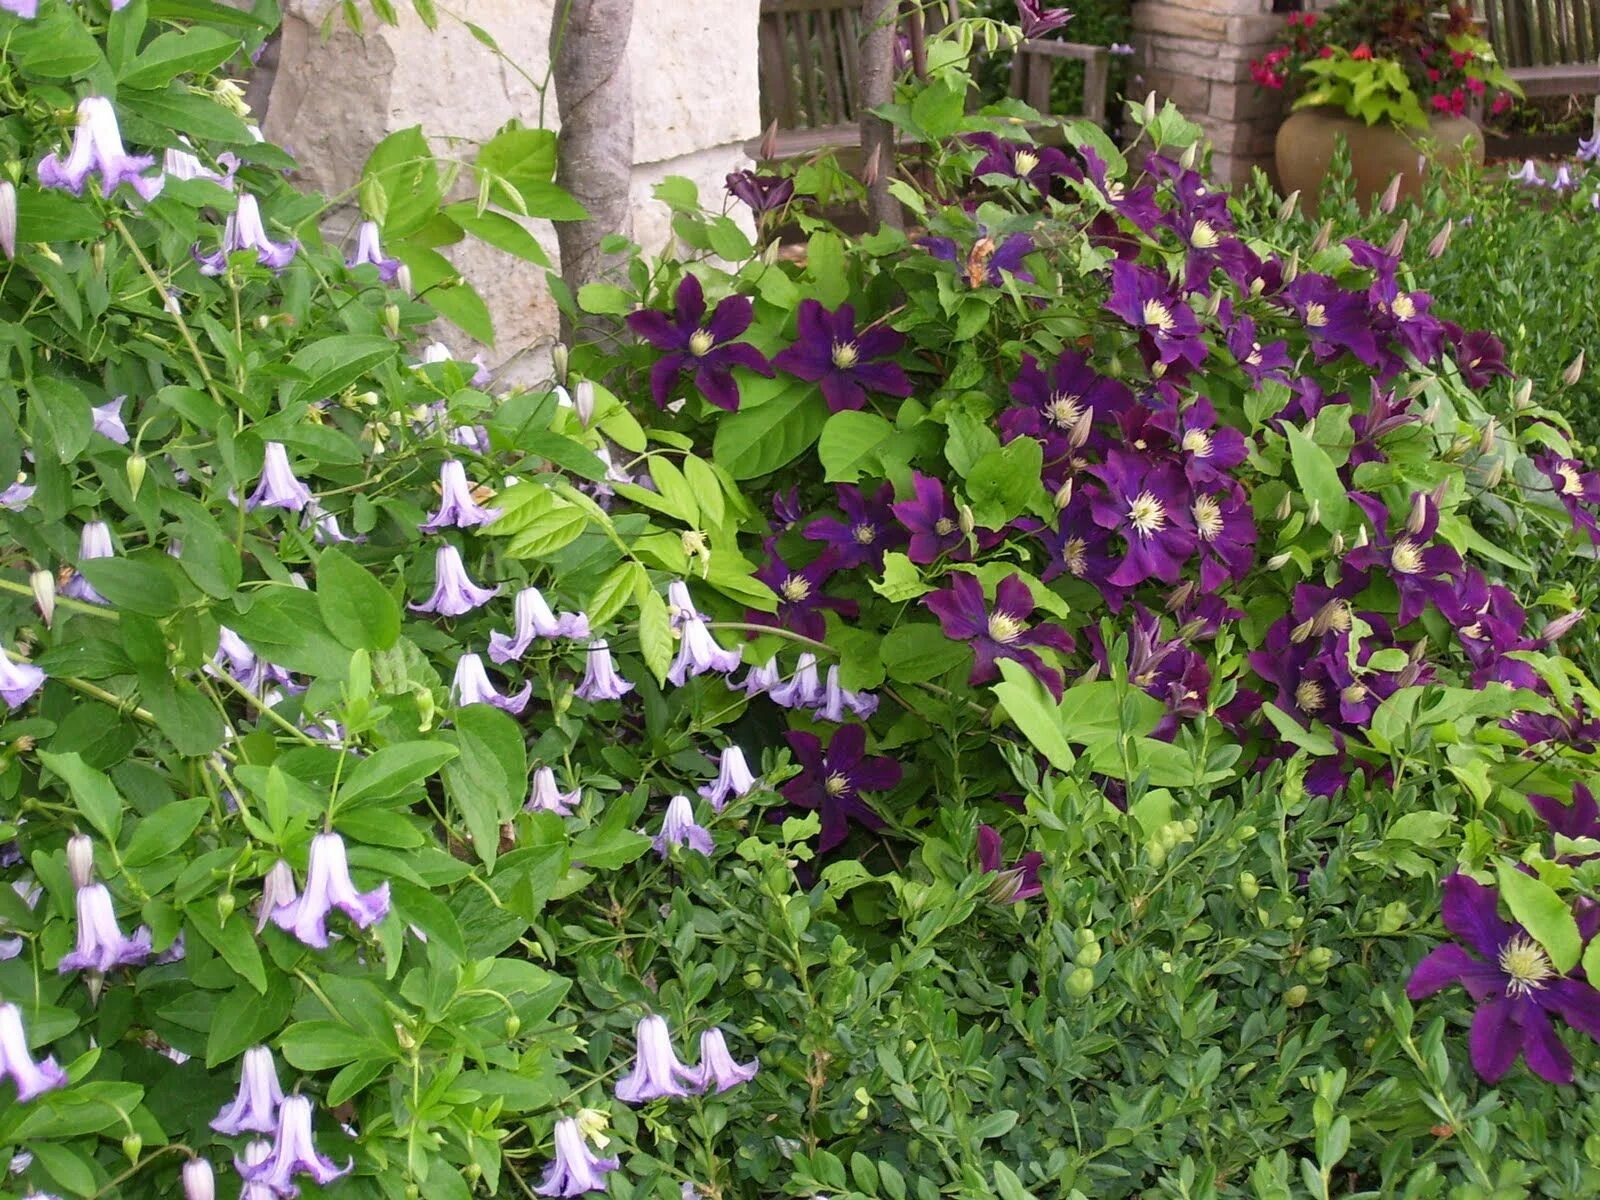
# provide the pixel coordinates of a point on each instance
(1549, 47)
(811, 70)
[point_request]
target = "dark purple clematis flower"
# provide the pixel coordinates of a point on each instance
(1517, 987)
(866, 533)
(1017, 883)
(1421, 572)
(1146, 301)
(1079, 547)
(1580, 819)
(1576, 730)
(1576, 487)
(1060, 405)
(763, 193)
(1133, 204)
(1489, 623)
(1147, 503)
(1209, 452)
(1226, 530)
(1259, 362)
(1256, 276)
(841, 362)
(1036, 20)
(801, 597)
(786, 507)
(1337, 321)
(987, 262)
(708, 350)
(1404, 316)
(1039, 165)
(1384, 415)
(930, 518)
(1480, 355)
(1168, 669)
(998, 631)
(831, 781)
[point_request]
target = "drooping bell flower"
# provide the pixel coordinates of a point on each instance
(801, 596)
(101, 945)
(547, 795)
(803, 689)
(1517, 987)
(244, 230)
(1146, 301)
(324, 526)
(678, 828)
(198, 1181)
(277, 889)
(734, 778)
(831, 781)
(1036, 20)
(760, 680)
(1000, 630)
(294, 1153)
(600, 678)
(19, 680)
(656, 1073)
(698, 651)
(108, 420)
(845, 365)
(17, 1063)
(471, 685)
(838, 701)
(532, 618)
(26, 9)
(576, 1169)
(278, 487)
(369, 252)
(1014, 884)
(708, 350)
(328, 886)
(454, 593)
(456, 506)
(256, 1153)
(717, 1071)
(254, 1107)
(1146, 502)
(94, 541)
(8, 219)
(14, 496)
(97, 147)
(763, 193)
(178, 163)
(243, 664)
(866, 533)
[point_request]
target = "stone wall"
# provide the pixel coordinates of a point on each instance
(1197, 54)
(695, 104)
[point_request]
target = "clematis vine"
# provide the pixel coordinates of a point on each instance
(839, 701)
(844, 364)
(547, 795)
(1423, 574)
(294, 1152)
(986, 262)
(369, 252)
(32, 1078)
(454, 593)
(931, 521)
(328, 886)
(678, 828)
(1040, 166)
(254, 1108)
(1578, 489)
(457, 508)
(832, 779)
(698, 651)
(576, 1169)
(1000, 630)
(657, 1074)
(278, 487)
(803, 689)
(243, 231)
(97, 149)
(471, 685)
(600, 678)
(198, 1181)
(108, 422)
(1036, 20)
(717, 1071)
(708, 350)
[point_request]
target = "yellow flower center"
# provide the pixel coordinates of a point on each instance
(1064, 410)
(1203, 236)
(836, 785)
(1147, 514)
(1026, 161)
(1158, 315)
(1254, 357)
(845, 355)
(1310, 696)
(1526, 965)
(1406, 557)
(1114, 190)
(700, 342)
(1075, 557)
(1316, 315)
(1354, 694)
(864, 534)
(1198, 443)
(1004, 628)
(1571, 485)
(1404, 307)
(795, 588)
(1207, 518)
(944, 526)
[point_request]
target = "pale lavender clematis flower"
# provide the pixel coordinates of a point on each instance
(198, 1181)
(277, 889)
(678, 828)
(717, 1070)
(8, 217)
(803, 689)
(252, 672)
(97, 146)
(760, 680)
(278, 487)
(293, 1153)
(30, 892)
(1563, 180)
(547, 795)
(656, 1073)
(16, 1060)
(600, 678)
(328, 886)
(178, 163)
(734, 778)
(26, 9)
(576, 1168)
(244, 230)
(108, 420)
(1589, 148)
(454, 592)
(18, 680)
(837, 700)
(680, 605)
(698, 651)
(324, 526)
(255, 1106)
(533, 618)
(456, 505)
(256, 1153)
(1528, 175)
(471, 685)
(438, 352)
(101, 945)
(369, 252)
(94, 541)
(15, 496)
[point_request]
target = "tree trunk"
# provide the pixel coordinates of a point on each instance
(877, 88)
(594, 92)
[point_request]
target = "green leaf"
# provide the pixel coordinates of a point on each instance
(243, 1019)
(175, 53)
(655, 628)
(498, 230)
(419, 907)
(918, 651)
(562, 451)
(1544, 914)
(93, 792)
(1319, 479)
(51, 215)
(233, 940)
(332, 364)
(850, 444)
(180, 110)
(54, 45)
(400, 183)
(67, 411)
(489, 779)
(1034, 711)
(605, 299)
(757, 441)
(137, 585)
(354, 605)
(395, 769)
(901, 579)
(546, 525)
(995, 1124)
(322, 1045)
(169, 826)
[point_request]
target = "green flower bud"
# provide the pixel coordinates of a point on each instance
(1393, 916)
(225, 906)
(1249, 887)
(1088, 955)
(131, 1146)
(1297, 995)
(1080, 983)
(513, 1024)
(1318, 958)
(391, 319)
(1084, 936)
(135, 469)
(1245, 832)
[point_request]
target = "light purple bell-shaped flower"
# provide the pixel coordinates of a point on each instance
(456, 505)
(94, 541)
(369, 252)
(734, 778)
(760, 680)
(254, 674)
(26, 9)
(680, 606)
(108, 420)
(293, 1153)
(717, 1070)
(15, 496)
(178, 163)
(324, 526)
(438, 352)
(18, 680)
(576, 1168)
(254, 1108)
(256, 1153)
(277, 889)
(17, 1062)
(245, 231)
(8, 219)
(454, 592)
(837, 701)
(278, 487)
(678, 828)
(472, 686)
(698, 651)
(533, 618)
(1528, 175)
(547, 795)
(101, 945)
(30, 892)
(97, 147)
(198, 1181)
(803, 689)
(600, 678)
(656, 1073)
(328, 886)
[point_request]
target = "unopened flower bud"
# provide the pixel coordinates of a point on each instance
(1285, 507)
(1523, 397)
(1397, 244)
(1336, 544)
(1314, 513)
(1190, 156)
(131, 1146)
(1249, 886)
(1393, 916)
(1574, 371)
(1214, 305)
(1080, 983)
(1495, 473)
(1561, 626)
(8, 219)
(198, 1181)
(80, 860)
(391, 319)
(1441, 240)
(1391, 195)
(134, 468)
(1088, 956)
(1291, 269)
(1149, 107)
(1290, 206)
(1297, 995)
(559, 357)
(97, 257)
(769, 142)
(1490, 435)
(44, 594)
(965, 519)
(45, 250)
(1417, 518)
(226, 903)
(1279, 561)
(1063, 496)
(873, 167)
(583, 402)
(1324, 234)
(402, 279)
(513, 1026)
(1318, 958)
(263, 322)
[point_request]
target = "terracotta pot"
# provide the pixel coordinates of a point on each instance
(1378, 153)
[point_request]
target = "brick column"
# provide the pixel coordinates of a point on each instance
(1197, 54)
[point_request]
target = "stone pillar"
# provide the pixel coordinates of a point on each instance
(695, 104)
(1197, 54)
